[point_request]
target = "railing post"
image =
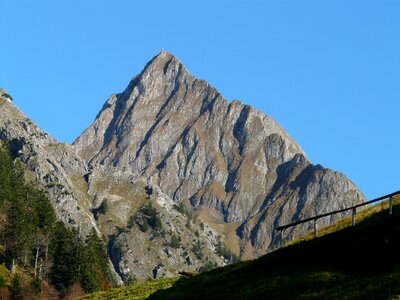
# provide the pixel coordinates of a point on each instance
(315, 228)
(391, 205)
(353, 219)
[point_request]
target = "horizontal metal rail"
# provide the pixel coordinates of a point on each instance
(354, 208)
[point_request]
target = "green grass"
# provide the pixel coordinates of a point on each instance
(5, 274)
(361, 262)
(345, 222)
(137, 291)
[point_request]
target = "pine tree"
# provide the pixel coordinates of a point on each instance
(67, 253)
(96, 265)
(16, 288)
(6, 174)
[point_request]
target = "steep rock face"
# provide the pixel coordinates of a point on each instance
(77, 192)
(56, 166)
(182, 135)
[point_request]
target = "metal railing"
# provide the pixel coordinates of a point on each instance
(353, 208)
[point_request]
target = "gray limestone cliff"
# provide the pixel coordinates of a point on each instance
(78, 193)
(56, 166)
(239, 170)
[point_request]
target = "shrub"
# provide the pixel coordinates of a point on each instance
(104, 206)
(175, 241)
(180, 208)
(74, 292)
(153, 219)
(36, 285)
(208, 266)
(107, 286)
(188, 224)
(223, 251)
(16, 288)
(146, 218)
(131, 279)
(183, 210)
(131, 222)
(66, 193)
(196, 249)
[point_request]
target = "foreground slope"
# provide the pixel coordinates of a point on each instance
(359, 262)
(241, 171)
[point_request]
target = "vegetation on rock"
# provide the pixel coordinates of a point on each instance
(34, 242)
(175, 241)
(147, 218)
(137, 291)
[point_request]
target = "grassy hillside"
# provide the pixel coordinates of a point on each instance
(138, 291)
(362, 214)
(361, 262)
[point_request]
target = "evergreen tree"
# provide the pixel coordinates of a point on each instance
(46, 216)
(6, 174)
(96, 270)
(16, 288)
(67, 253)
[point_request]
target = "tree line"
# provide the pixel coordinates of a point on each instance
(33, 240)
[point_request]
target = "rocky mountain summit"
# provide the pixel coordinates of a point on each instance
(176, 178)
(239, 171)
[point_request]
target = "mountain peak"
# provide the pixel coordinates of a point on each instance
(162, 61)
(162, 74)
(164, 53)
(5, 95)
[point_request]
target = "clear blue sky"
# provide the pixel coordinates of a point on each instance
(327, 71)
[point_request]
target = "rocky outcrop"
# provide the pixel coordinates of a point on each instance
(140, 249)
(79, 193)
(5, 95)
(226, 157)
(54, 165)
